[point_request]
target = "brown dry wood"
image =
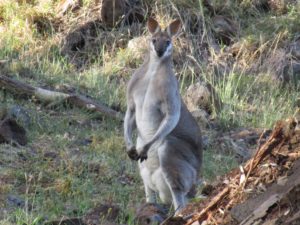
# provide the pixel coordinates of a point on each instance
(274, 139)
(264, 149)
(16, 86)
(257, 207)
(201, 216)
(261, 210)
(44, 95)
(294, 219)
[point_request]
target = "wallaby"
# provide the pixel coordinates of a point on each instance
(168, 137)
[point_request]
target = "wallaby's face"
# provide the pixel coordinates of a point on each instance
(161, 40)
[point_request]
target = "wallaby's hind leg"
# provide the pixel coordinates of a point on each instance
(150, 195)
(179, 199)
(162, 187)
(146, 176)
(178, 174)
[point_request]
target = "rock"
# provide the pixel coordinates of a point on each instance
(202, 96)
(225, 29)
(111, 11)
(11, 131)
(138, 47)
(50, 155)
(280, 6)
(15, 201)
(84, 142)
(102, 214)
(19, 114)
(150, 213)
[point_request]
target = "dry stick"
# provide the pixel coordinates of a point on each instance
(252, 160)
(264, 149)
(48, 96)
(212, 204)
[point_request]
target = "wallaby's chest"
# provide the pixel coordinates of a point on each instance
(147, 94)
(148, 88)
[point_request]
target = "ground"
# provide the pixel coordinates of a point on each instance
(75, 160)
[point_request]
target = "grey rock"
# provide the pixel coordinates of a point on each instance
(20, 114)
(203, 96)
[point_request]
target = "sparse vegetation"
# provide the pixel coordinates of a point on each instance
(75, 160)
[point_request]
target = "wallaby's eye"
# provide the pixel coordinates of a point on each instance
(153, 41)
(168, 42)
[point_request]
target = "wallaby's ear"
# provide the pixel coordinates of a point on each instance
(153, 26)
(174, 27)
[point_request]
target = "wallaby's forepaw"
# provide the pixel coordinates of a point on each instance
(132, 153)
(144, 152)
(143, 157)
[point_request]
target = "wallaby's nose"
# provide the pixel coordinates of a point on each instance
(160, 52)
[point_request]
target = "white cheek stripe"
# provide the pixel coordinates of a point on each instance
(168, 51)
(152, 46)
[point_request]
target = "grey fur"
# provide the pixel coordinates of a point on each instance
(169, 139)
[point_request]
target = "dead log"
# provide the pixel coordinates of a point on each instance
(278, 194)
(49, 96)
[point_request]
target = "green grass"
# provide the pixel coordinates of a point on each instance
(82, 175)
(251, 101)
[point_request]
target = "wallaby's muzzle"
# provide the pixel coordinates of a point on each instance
(160, 47)
(160, 52)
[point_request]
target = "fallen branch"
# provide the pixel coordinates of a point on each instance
(48, 96)
(265, 149)
(201, 216)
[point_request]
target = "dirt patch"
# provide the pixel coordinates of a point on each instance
(102, 214)
(150, 213)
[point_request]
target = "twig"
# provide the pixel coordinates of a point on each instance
(200, 216)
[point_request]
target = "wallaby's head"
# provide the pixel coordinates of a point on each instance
(161, 40)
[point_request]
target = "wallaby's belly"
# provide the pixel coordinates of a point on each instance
(148, 115)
